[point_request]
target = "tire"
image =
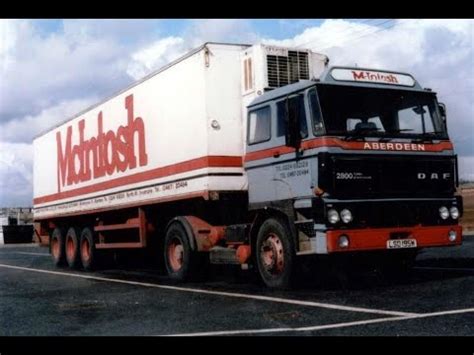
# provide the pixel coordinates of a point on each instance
(179, 257)
(57, 247)
(72, 247)
(275, 255)
(87, 251)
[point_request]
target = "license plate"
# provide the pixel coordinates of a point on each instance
(401, 243)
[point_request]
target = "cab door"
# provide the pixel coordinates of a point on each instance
(291, 169)
(276, 170)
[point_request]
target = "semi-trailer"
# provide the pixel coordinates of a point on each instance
(252, 155)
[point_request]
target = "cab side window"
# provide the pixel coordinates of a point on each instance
(296, 102)
(318, 126)
(259, 125)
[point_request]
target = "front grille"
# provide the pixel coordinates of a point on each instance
(395, 215)
(282, 70)
(347, 176)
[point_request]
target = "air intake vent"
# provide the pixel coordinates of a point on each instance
(284, 70)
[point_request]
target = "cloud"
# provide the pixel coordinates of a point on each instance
(41, 70)
(220, 30)
(8, 38)
(468, 163)
(24, 129)
(134, 33)
(164, 50)
(16, 178)
(155, 56)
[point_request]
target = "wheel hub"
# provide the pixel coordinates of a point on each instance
(85, 250)
(175, 254)
(271, 254)
(70, 248)
(55, 248)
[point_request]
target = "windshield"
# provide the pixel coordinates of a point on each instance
(359, 111)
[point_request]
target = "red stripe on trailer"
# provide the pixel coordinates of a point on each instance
(194, 164)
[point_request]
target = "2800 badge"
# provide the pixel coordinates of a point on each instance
(344, 176)
(352, 176)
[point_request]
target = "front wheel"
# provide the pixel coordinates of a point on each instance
(178, 254)
(275, 254)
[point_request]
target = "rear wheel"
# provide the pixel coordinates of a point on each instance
(275, 254)
(57, 247)
(72, 248)
(88, 252)
(179, 257)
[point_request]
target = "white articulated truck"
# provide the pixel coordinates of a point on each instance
(250, 155)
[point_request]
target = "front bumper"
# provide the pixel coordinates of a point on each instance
(377, 238)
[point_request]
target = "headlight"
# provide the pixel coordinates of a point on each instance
(443, 212)
(333, 216)
(346, 215)
(454, 212)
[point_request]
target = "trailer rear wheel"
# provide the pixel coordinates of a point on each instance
(87, 249)
(57, 247)
(179, 257)
(275, 254)
(72, 248)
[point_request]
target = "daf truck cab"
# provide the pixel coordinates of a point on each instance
(360, 160)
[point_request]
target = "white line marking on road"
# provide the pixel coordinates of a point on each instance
(220, 293)
(327, 326)
(444, 268)
(20, 245)
(289, 329)
(27, 253)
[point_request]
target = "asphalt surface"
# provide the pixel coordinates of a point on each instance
(130, 297)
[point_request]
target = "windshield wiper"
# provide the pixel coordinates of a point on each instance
(400, 130)
(427, 136)
(388, 139)
(359, 134)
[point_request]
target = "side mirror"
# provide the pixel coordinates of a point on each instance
(293, 134)
(442, 111)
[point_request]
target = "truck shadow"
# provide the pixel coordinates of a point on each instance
(323, 275)
(357, 276)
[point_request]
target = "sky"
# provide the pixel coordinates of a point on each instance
(52, 69)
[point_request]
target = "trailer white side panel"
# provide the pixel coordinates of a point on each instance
(175, 135)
